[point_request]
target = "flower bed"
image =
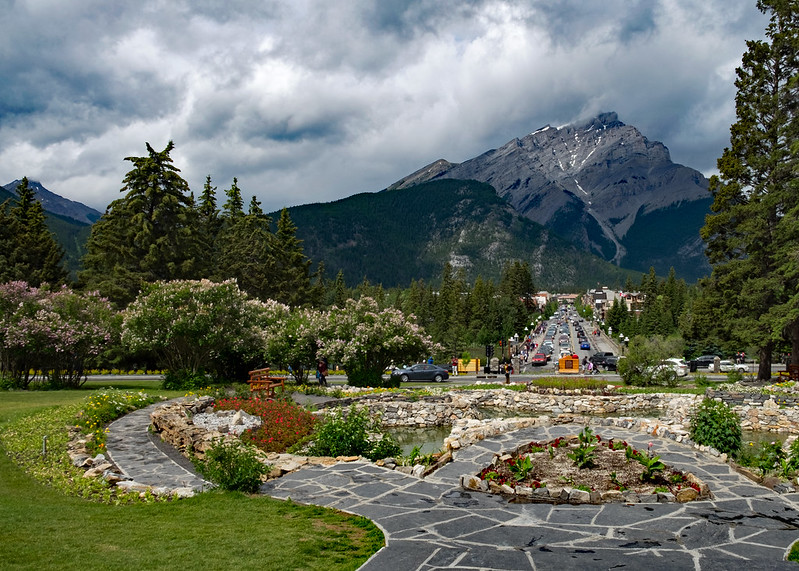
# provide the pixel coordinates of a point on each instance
(585, 469)
(283, 423)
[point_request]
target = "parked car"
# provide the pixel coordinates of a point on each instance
(677, 365)
(730, 366)
(599, 358)
(705, 361)
(539, 359)
(422, 372)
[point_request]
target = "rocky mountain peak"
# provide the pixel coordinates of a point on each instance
(590, 181)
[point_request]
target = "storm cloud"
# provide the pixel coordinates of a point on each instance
(308, 101)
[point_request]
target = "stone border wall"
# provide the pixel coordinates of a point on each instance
(757, 412)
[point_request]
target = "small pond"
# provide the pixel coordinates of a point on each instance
(427, 439)
(432, 439)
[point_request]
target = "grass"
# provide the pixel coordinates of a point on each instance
(42, 528)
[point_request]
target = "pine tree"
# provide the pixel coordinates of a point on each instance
(752, 236)
(339, 290)
(30, 250)
(291, 280)
(234, 206)
(245, 250)
(148, 235)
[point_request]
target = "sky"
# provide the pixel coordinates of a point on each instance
(310, 101)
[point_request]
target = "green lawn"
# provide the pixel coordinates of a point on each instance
(42, 528)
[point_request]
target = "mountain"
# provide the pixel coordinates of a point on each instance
(68, 220)
(59, 205)
(600, 184)
(395, 237)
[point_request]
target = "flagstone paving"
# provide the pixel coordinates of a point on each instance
(432, 523)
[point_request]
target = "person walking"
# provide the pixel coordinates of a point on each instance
(507, 373)
(321, 371)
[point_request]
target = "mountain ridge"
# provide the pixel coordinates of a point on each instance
(591, 182)
(57, 204)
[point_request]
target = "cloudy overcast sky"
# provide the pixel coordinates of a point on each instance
(309, 101)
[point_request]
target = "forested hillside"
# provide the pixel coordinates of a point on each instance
(398, 236)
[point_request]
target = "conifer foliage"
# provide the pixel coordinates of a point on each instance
(28, 250)
(157, 233)
(753, 233)
(146, 236)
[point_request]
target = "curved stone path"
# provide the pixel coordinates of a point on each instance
(434, 524)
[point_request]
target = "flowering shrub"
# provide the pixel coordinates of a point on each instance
(294, 340)
(105, 406)
(284, 424)
(191, 324)
(55, 333)
(366, 340)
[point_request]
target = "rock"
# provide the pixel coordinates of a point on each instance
(542, 492)
(665, 497)
(612, 496)
(784, 488)
(686, 495)
(524, 491)
(470, 482)
(581, 496)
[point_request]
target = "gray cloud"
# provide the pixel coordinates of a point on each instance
(309, 101)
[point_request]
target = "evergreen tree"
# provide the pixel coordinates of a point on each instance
(30, 252)
(291, 281)
(234, 206)
(339, 290)
(753, 236)
(148, 235)
(208, 226)
(245, 250)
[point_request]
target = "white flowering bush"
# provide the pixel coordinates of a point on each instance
(293, 340)
(366, 340)
(191, 324)
(55, 332)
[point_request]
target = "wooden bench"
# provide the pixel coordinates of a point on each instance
(790, 374)
(261, 380)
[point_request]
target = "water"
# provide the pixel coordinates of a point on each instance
(428, 440)
(758, 438)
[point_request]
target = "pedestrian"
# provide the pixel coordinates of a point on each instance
(454, 365)
(321, 372)
(507, 373)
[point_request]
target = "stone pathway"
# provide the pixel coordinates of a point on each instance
(434, 524)
(146, 460)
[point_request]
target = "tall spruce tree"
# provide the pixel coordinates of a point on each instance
(245, 246)
(148, 235)
(291, 281)
(30, 253)
(752, 236)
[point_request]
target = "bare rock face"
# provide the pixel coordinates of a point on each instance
(602, 185)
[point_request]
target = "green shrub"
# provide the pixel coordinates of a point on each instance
(735, 376)
(386, 447)
(713, 423)
(349, 435)
(233, 467)
(184, 380)
(701, 380)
